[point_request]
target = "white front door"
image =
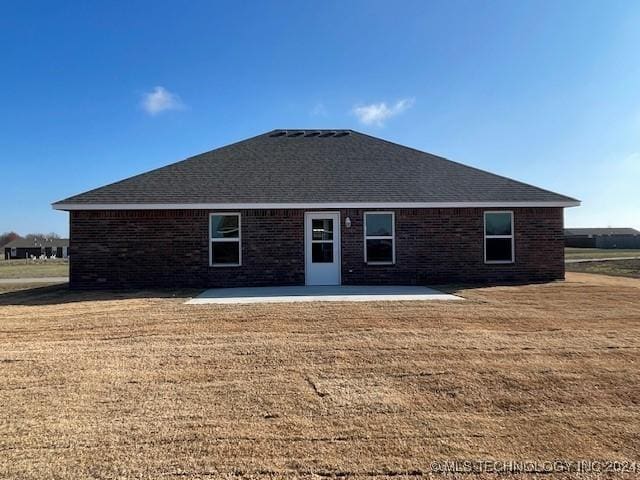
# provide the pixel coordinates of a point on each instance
(322, 248)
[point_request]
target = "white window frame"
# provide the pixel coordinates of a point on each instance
(512, 237)
(383, 237)
(238, 240)
(14, 252)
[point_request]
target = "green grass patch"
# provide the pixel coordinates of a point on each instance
(24, 269)
(617, 268)
(579, 253)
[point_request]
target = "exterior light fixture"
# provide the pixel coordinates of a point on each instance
(347, 222)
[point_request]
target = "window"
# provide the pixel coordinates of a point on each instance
(498, 237)
(322, 240)
(14, 252)
(225, 239)
(379, 242)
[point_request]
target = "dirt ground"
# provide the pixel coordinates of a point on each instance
(106, 385)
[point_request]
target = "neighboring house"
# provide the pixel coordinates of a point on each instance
(315, 207)
(26, 248)
(602, 237)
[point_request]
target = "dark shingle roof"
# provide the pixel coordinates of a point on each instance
(31, 243)
(313, 166)
(600, 231)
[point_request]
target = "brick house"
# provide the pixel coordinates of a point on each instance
(602, 238)
(317, 207)
(26, 248)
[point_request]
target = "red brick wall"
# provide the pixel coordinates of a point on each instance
(166, 248)
(447, 245)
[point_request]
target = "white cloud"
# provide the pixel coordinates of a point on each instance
(160, 100)
(319, 110)
(631, 163)
(378, 113)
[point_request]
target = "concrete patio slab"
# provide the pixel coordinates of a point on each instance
(338, 293)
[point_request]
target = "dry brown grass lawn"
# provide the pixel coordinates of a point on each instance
(141, 386)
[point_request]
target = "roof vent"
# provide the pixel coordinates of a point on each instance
(310, 133)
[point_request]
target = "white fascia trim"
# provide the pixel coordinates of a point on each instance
(267, 206)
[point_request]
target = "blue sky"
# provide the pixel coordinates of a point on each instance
(544, 92)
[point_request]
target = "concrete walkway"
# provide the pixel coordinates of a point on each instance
(608, 259)
(343, 293)
(9, 281)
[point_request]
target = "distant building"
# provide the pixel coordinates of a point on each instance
(602, 237)
(25, 248)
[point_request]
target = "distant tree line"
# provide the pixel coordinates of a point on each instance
(7, 237)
